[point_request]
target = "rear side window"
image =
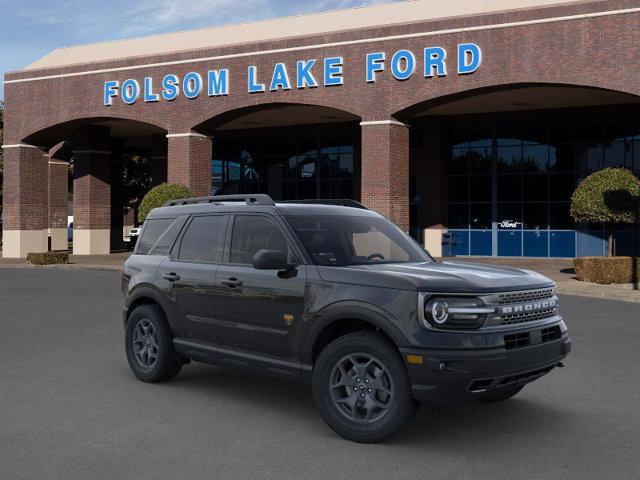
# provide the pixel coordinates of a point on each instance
(204, 239)
(151, 233)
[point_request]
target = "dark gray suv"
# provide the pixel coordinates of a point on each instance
(331, 293)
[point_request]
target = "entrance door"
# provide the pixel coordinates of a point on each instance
(256, 310)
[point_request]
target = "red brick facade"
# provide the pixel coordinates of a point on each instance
(590, 43)
(385, 170)
(25, 189)
(58, 188)
(189, 162)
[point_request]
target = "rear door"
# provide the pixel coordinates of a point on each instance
(188, 275)
(256, 310)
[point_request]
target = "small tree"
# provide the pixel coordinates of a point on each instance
(611, 195)
(159, 195)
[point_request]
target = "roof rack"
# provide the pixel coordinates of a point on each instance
(257, 199)
(345, 202)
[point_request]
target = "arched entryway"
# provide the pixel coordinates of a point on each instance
(289, 151)
(496, 167)
(90, 171)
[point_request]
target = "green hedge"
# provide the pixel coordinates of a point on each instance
(607, 270)
(158, 196)
(611, 195)
(48, 258)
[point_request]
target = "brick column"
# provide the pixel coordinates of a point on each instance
(58, 191)
(189, 161)
(158, 160)
(91, 191)
(385, 170)
(25, 210)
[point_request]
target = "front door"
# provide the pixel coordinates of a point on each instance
(256, 310)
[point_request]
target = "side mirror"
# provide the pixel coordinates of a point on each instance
(272, 260)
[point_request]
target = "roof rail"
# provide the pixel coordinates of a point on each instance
(344, 202)
(257, 199)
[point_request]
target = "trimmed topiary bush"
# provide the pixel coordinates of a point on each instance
(607, 270)
(611, 195)
(48, 258)
(158, 196)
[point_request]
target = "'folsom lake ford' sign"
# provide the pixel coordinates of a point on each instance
(310, 73)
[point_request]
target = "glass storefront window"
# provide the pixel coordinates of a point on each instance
(286, 163)
(534, 161)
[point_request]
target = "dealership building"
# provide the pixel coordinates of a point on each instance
(476, 118)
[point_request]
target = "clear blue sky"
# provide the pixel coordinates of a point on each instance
(30, 29)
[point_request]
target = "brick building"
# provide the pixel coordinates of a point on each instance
(474, 117)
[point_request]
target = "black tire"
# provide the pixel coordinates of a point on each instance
(501, 395)
(351, 422)
(166, 363)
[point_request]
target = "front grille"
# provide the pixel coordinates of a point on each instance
(522, 317)
(525, 296)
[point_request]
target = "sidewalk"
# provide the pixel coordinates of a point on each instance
(113, 261)
(560, 270)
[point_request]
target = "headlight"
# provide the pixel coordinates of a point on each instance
(454, 312)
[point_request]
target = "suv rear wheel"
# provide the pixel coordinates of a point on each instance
(149, 345)
(361, 387)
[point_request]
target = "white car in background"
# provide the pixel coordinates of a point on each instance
(133, 237)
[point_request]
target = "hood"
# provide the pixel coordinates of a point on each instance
(449, 277)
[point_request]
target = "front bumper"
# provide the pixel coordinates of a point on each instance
(449, 376)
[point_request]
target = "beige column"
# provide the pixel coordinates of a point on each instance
(25, 211)
(385, 169)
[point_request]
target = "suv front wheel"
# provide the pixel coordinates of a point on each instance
(149, 345)
(361, 387)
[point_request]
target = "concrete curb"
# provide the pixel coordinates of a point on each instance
(630, 296)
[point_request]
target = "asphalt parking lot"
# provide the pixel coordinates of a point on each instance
(70, 408)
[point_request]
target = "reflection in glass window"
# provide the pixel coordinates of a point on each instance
(204, 239)
(292, 163)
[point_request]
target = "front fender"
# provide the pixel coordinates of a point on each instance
(363, 311)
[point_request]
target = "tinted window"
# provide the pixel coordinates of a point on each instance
(151, 233)
(168, 238)
(204, 239)
(354, 240)
(253, 233)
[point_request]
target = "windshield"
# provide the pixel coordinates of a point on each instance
(341, 240)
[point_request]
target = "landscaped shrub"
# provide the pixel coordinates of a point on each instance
(48, 258)
(606, 270)
(158, 196)
(611, 195)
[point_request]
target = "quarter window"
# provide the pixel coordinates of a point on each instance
(204, 239)
(151, 233)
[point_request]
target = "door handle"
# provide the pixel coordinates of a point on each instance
(231, 282)
(172, 277)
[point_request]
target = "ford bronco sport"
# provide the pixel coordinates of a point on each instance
(331, 293)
